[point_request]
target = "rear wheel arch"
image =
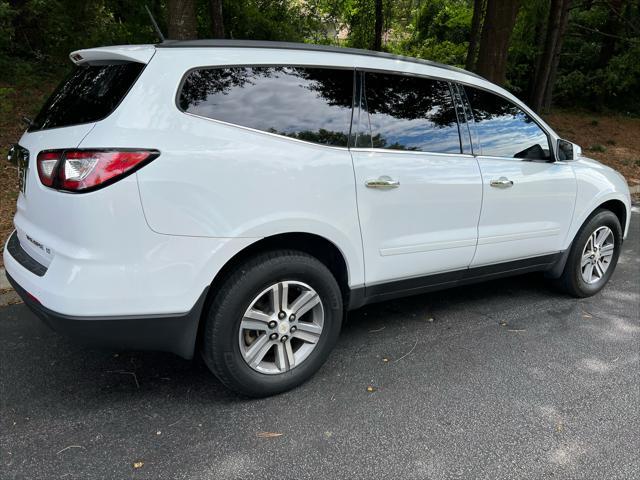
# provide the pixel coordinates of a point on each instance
(317, 246)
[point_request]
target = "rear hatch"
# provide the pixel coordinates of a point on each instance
(46, 219)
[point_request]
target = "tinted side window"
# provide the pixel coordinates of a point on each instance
(504, 130)
(410, 113)
(89, 94)
(312, 104)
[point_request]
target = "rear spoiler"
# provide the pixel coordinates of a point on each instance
(121, 53)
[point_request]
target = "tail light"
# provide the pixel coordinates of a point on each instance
(87, 170)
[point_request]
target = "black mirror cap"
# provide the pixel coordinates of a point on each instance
(568, 150)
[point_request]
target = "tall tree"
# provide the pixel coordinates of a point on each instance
(499, 20)
(476, 29)
(182, 21)
(564, 20)
(377, 34)
(217, 21)
(546, 57)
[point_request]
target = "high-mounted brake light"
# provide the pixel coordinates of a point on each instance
(86, 170)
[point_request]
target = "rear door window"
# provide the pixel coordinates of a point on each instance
(504, 130)
(311, 104)
(88, 95)
(403, 112)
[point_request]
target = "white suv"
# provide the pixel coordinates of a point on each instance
(238, 197)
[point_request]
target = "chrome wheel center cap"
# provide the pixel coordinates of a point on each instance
(283, 328)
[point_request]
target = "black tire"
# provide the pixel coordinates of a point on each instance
(571, 280)
(220, 346)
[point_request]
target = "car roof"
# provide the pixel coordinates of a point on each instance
(303, 46)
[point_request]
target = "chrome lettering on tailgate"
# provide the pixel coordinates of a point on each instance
(39, 245)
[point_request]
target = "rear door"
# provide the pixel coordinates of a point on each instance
(528, 197)
(419, 196)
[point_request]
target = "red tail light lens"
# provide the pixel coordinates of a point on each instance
(47, 162)
(86, 170)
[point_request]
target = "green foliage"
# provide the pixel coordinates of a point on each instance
(266, 20)
(598, 67)
(444, 21)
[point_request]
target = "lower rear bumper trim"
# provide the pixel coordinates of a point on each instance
(170, 333)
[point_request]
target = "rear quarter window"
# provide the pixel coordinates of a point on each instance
(89, 94)
(311, 104)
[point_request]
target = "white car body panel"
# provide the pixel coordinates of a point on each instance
(596, 184)
(152, 242)
(427, 225)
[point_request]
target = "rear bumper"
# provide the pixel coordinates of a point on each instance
(169, 333)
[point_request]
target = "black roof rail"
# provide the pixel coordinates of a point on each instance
(302, 46)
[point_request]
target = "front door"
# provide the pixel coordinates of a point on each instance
(528, 199)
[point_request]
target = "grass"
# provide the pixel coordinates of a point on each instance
(620, 134)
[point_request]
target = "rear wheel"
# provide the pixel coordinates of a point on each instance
(273, 323)
(594, 255)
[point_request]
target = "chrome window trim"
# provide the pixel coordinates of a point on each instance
(255, 130)
(409, 152)
(550, 134)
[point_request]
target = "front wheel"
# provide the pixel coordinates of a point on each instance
(594, 255)
(273, 323)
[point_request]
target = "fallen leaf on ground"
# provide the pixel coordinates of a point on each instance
(371, 389)
(138, 464)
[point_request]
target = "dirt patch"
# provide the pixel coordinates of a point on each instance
(612, 140)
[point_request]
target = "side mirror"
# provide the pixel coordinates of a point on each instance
(568, 150)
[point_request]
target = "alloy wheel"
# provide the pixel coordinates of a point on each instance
(281, 327)
(597, 255)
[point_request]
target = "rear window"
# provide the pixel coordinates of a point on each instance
(311, 104)
(89, 94)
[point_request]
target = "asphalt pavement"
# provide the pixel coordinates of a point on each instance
(501, 380)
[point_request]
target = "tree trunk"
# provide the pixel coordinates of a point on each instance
(540, 36)
(182, 21)
(611, 28)
(377, 37)
(564, 20)
(217, 21)
(499, 20)
(476, 28)
(547, 56)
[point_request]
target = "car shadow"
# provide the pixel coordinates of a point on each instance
(68, 370)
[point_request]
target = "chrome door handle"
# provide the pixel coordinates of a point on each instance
(502, 182)
(382, 182)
